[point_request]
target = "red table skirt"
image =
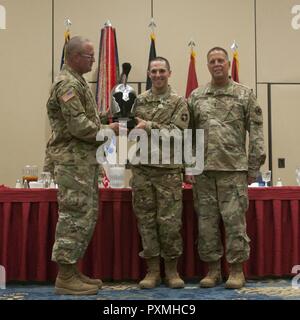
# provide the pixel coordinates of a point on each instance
(28, 219)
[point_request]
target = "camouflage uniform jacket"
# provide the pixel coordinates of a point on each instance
(226, 114)
(168, 111)
(74, 120)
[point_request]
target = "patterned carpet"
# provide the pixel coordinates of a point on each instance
(268, 289)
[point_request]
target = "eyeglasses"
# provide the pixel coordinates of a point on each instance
(89, 56)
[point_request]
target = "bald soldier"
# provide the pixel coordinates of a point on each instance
(71, 154)
(157, 187)
(226, 111)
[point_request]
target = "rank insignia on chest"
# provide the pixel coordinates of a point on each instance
(184, 117)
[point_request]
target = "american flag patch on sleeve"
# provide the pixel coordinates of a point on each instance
(68, 95)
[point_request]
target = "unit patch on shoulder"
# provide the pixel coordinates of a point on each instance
(68, 95)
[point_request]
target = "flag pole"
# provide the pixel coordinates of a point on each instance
(235, 63)
(68, 24)
(192, 44)
(234, 46)
(152, 52)
(152, 25)
(108, 68)
(192, 82)
(107, 78)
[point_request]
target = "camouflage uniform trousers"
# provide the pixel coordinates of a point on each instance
(157, 203)
(222, 195)
(78, 211)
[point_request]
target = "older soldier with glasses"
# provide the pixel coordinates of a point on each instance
(74, 121)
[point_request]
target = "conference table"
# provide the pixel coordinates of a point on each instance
(27, 229)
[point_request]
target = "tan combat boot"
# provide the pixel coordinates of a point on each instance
(86, 279)
(172, 278)
(213, 276)
(68, 282)
(152, 278)
(236, 278)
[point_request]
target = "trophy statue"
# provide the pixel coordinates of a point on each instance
(122, 99)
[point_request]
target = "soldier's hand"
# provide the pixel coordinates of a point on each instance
(117, 127)
(250, 180)
(189, 179)
(141, 124)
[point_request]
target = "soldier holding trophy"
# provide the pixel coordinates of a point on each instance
(157, 188)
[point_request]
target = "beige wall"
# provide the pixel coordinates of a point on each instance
(278, 49)
(278, 44)
(26, 60)
(285, 125)
(25, 77)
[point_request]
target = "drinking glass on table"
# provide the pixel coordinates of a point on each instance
(30, 173)
(266, 177)
(46, 179)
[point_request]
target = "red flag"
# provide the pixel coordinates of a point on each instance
(235, 67)
(192, 82)
(108, 69)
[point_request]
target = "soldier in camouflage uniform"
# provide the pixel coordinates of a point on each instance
(48, 163)
(157, 188)
(71, 152)
(226, 110)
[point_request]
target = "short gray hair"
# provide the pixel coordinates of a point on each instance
(75, 45)
(218, 49)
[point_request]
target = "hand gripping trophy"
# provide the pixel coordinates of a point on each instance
(122, 99)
